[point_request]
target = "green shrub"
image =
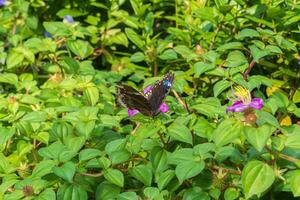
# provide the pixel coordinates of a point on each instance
(63, 136)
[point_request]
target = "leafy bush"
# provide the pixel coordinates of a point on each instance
(63, 136)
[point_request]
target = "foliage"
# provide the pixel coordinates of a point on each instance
(63, 136)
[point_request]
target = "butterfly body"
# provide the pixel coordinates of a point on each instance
(148, 103)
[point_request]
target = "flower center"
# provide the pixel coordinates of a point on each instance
(242, 94)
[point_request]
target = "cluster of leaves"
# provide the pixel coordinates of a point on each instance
(62, 135)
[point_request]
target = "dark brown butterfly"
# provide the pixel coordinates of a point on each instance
(149, 103)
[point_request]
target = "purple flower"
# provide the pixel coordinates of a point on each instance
(163, 107)
(47, 34)
(244, 101)
(3, 3)
(69, 19)
(239, 106)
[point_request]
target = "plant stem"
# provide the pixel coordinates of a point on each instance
(155, 68)
(231, 171)
(246, 73)
(180, 100)
(135, 129)
(92, 175)
(283, 156)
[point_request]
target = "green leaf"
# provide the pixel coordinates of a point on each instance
(236, 59)
(61, 130)
(28, 54)
(230, 45)
(56, 28)
(268, 118)
(256, 81)
(137, 57)
(202, 149)
(107, 190)
(274, 49)
(215, 193)
(109, 121)
(169, 54)
(227, 131)
(52, 151)
(23, 148)
(183, 50)
(159, 159)
(9, 78)
(296, 96)
(88, 154)
(119, 38)
(261, 21)
(295, 180)
(282, 42)
(114, 176)
(14, 58)
(293, 141)
(43, 168)
(6, 134)
(6, 184)
(80, 48)
(85, 128)
(247, 32)
(70, 65)
(281, 99)
(194, 193)
(231, 194)
(115, 145)
(210, 107)
(32, 22)
(17, 194)
(47, 194)
(142, 173)
(220, 86)
(128, 196)
(151, 192)
(73, 12)
(104, 162)
(5, 166)
(134, 38)
(181, 155)
(75, 143)
(203, 128)
(211, 56)
(119, 156)
(257, 177)
(147, 130)
(164, 178)
(258, 137)
(35, 116)
(257, 53)
(72, 192)
(201, 67)
(189, 169)
(180, 132)
(66, 171)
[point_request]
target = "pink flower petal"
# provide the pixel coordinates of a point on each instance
(238, 106)
(257, 103)
(164, 108)
(132, 112)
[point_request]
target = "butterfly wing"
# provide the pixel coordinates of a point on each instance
(133, 99)
(159, 91)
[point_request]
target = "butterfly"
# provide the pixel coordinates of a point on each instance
(148, 103)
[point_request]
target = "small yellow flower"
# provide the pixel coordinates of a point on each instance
(242, 94)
